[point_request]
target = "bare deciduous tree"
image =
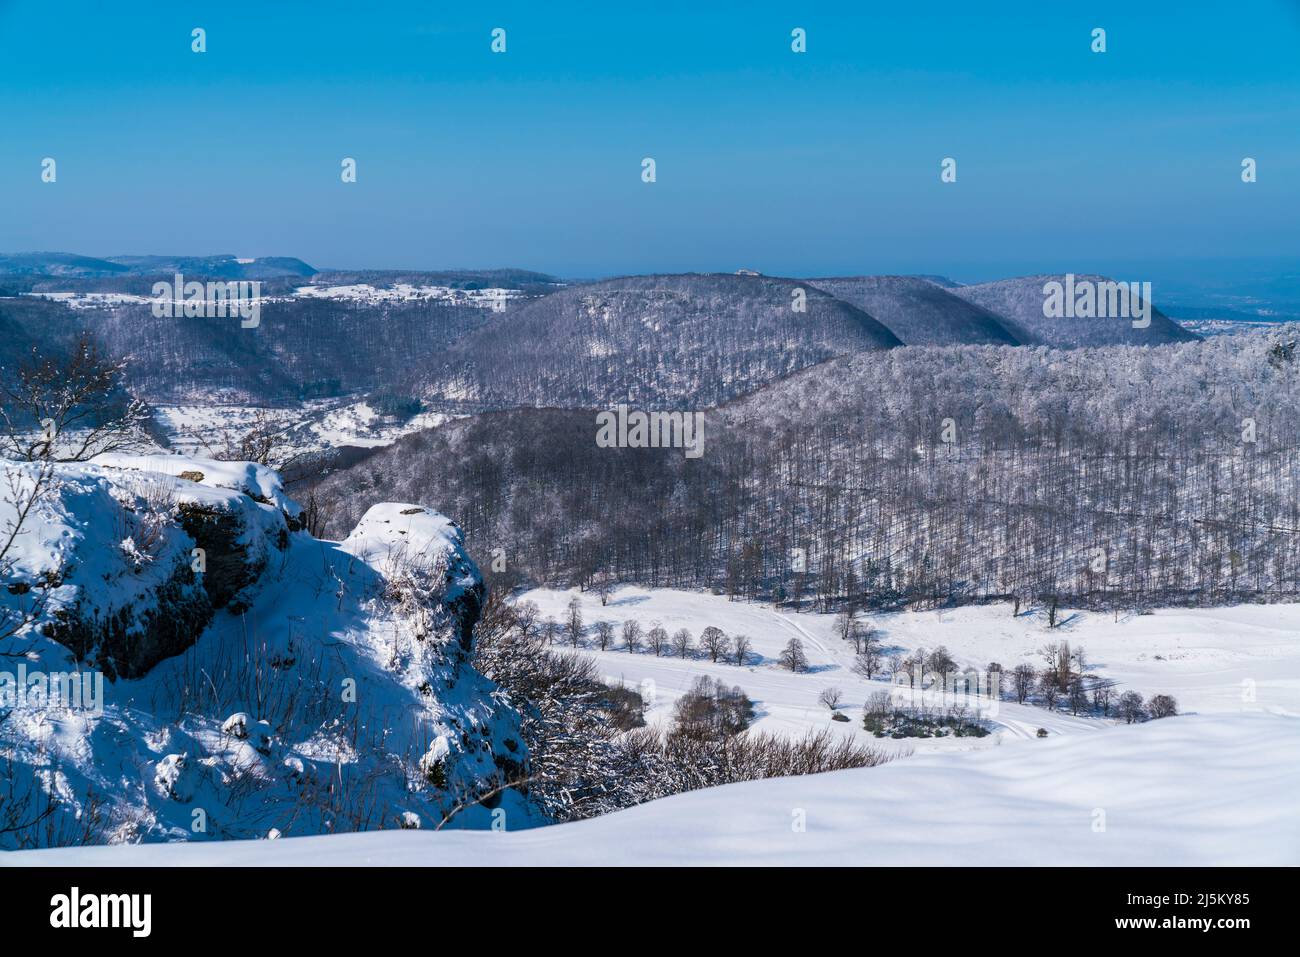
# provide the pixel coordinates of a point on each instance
(573, 625)
(657, 639)
(940, 662)
(69, 409)
(867, 661)
(715, 642)
(793, 657)
(1130, 707)
(740, 648)
(1162, 706)
(831, 698)
(26, 487)
(1023, 677)
(1049, 688)
(632, 634)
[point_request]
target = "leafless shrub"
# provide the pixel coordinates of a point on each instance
(68, 409)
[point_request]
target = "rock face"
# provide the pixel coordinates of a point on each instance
(423, 552)
(145, 559)
(268, 678)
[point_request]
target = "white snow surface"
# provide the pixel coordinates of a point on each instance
(1217, 786)
(1212, 660)
(311, 426)
(1194, 790)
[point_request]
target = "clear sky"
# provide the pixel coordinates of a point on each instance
(822, 162)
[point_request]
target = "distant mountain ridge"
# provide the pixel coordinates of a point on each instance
(73, 266)
(920, 310)
(675, 341)
(658, 340)
(1019, 302)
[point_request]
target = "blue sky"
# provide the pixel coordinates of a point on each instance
(824, 162)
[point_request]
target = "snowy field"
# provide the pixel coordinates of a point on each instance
(1216, 785)
(1195, 790)
(311, 426)
(1212, 660)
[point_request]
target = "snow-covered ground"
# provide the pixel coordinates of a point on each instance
(1212, 660)
(311, 426)
(1194, 790)
(407, 292)
(1216, 785)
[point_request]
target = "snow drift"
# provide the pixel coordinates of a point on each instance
(1184, 791)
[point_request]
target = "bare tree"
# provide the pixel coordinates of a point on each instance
(793, 657)
(551, 630)
(68, 410)
(740, 647)
(26, 487)
(604, 634)
(632, 634)
(1077, 695)
(897, 665)
(527, 618)
(1049, 688)
(573, 626)
(941, 663)
(681, 643)
(1162, 706)
(867, 661)
(264, 441)
(1103, 694)
(714, 641)
(1023, 677)
(846, 626)
(831, 698)
(1130, 707)
(657, 639)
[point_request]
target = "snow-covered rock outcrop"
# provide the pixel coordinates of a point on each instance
(251, 677)
(145, 550)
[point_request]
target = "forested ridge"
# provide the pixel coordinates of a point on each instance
(1119, 475)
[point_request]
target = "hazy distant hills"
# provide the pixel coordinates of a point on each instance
(1018, 304)
(918, 311)
(662, 341)
(303, 348)
(72, 266)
